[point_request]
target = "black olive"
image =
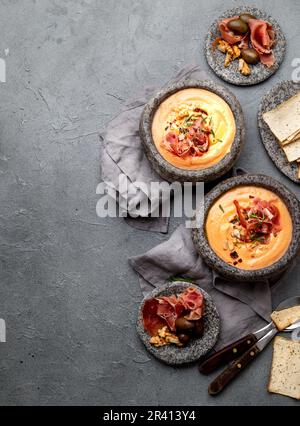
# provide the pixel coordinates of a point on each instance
(238, 26)
(250, 56)
(245, 17)
(184, 338)
(199, 328)
(182, 324)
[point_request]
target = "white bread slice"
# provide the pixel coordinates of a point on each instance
(286, 317)
(285, 371)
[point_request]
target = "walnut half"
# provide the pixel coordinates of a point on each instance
(244, 67)
(232, 52)
(164, 337)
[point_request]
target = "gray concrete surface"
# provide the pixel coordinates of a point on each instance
(67, 293)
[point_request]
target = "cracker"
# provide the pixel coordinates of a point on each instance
(285, 371)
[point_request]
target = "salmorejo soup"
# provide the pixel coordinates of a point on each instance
(249, 227)
(193, 129)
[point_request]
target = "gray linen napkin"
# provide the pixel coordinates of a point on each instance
(243, 307)
(123, 153)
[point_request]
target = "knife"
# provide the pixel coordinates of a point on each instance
(237, 348)
(239, 364)
(233, 350)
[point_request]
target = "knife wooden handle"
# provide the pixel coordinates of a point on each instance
(227, 354)
(232, 371)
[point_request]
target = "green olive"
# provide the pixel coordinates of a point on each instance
(199, 328)
(250, 56)
(184, 338)
(182, 324)
(238, 26)
(245, 17)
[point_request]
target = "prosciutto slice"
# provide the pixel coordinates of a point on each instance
(162, 311)
(259, 221)
(270, 211)
(169, 309)
(152, 322)
(193, 301)
(262, 38)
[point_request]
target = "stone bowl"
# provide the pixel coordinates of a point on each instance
(171, 173)
(259, 72)
(277, 95)
(228, 271)
(197, 347)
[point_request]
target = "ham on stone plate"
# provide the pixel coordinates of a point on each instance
(261, 35)
(161, 311)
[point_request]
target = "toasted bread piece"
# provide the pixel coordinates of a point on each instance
(284, 119)
(286, 317)
(291, 138)
(285, 371)
(292, 150)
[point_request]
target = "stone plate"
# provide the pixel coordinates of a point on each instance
(231, 74)
(229, 271)
(280, 93)
(171, 354)
(167, 170)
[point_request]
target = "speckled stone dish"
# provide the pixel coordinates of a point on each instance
(278, 94)
(231, 74)
(229, 271)
(171, 354)
(167, 170)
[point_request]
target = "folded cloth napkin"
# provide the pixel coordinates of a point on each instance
(243, 307)
(123, 155)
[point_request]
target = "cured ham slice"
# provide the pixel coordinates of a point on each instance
(270, 211)
(191, 299)
(169, 309)
(259, 220)
(152, 322)
(262, 38)
(195, 315)
(267, 59)
(162, 311)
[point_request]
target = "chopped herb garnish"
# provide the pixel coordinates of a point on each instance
(213, 133)
(187, 120)
(221, 208)
(255, 216)
(257, 238)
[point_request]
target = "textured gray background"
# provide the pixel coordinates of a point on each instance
(67, 292)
